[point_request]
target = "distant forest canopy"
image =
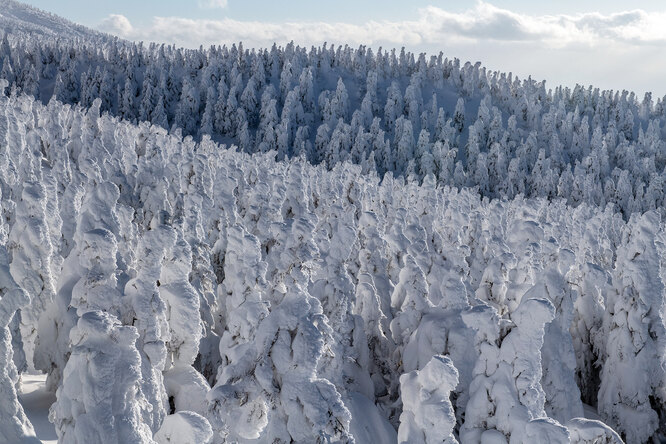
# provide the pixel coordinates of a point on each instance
(390, 111)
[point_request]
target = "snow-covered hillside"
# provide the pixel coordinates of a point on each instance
(19, 18)
(391, 111)
(193, 287)
(325, 275)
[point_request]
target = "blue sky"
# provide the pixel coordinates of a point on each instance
(609, 44)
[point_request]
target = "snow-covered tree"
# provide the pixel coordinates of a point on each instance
(238, 407)
(100, 398)
(14, 424)
(427, 414)
(630, 396)
(31, 248)
(459, 115)
(506, 398)
(311, 283)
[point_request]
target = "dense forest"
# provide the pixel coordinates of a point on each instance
(240, 278)
(388, 112)
(324, 245)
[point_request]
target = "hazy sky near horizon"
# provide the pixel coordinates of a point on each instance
(608, 44)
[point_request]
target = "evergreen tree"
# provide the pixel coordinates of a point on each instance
(459, 115)
(631, 323)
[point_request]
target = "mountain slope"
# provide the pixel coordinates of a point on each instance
(391, 112)
(19, 17)
(255, 299)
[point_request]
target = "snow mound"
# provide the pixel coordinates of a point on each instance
(184, 428)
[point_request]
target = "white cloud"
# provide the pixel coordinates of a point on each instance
(484, 22)
(212, 4)
(117, 24)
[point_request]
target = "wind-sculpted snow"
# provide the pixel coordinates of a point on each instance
(427, 415)
(182, 291)
(100, 399)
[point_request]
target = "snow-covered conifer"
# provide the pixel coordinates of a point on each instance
(506, 398)
(245, 310)
(147, 100)
(340, 102)
(14, 424)
(85, 268)
(290, 343)
(187, 113)
(393, 107)
(100, 398)
(459, 115)
(126, 99)
(409, 300)
(404, 144)
(30, 244)
(559, 359)
(182, 304)
(427, 414)
(633, 329)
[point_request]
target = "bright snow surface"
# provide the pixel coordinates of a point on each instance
(36, 401)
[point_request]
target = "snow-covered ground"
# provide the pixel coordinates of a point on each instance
(36, 401)
(19, 17)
